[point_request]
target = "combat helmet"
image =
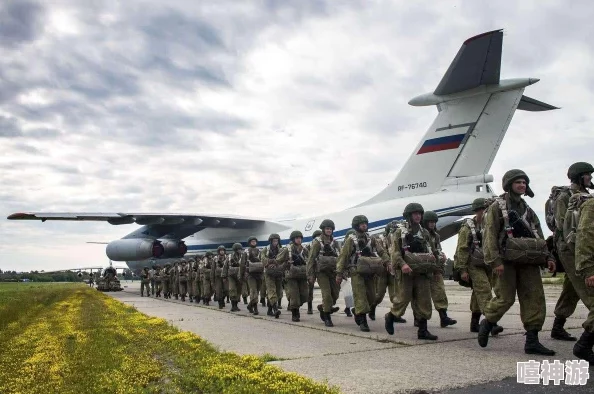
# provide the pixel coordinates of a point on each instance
(295, 234)
(316, 234)
(327, 223)
(274, 236)
(145, 268)
(237, 247)
(513, 175)
(430, 216)
(252, 238)
(478, 204)
(208, 254)
(358, 220)
(412, 207)
(221, 247)
(576, 170)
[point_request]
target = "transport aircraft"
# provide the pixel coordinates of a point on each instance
(445, 172)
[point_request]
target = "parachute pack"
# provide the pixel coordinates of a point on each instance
(550, 204)
(572, 218)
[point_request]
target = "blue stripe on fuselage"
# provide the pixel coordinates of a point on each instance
(374, 226)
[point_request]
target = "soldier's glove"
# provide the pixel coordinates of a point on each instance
(406, 269)
(551, 265)
(465, 276)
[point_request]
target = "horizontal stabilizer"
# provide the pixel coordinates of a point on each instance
(478, 62)
(530, 104)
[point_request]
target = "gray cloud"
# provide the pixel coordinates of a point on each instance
(19, 22)
(9, 127)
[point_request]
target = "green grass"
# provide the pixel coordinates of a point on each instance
(69, 338)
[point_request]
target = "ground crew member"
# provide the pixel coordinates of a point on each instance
(438, 293)
(324, 247)
(574, 288)
(251, 258)
(385, 280)
(507, 218)
(166, 280)
(411, 243)
(584, 264)
(315, 234)
(158, 280)
(273, 273)
(216, 275)
(357, 245)
(145, 282)
(470, 261)
(231, 276)
(183, 279)
(207, 277)
(294, 258)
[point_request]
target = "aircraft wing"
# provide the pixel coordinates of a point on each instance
(194, 219)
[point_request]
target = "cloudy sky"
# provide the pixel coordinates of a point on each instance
(260, 108)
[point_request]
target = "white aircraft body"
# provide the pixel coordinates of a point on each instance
(445, 172)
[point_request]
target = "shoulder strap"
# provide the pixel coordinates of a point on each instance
(472, 227)
(502, 203)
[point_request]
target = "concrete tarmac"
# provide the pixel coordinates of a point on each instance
(376, 362)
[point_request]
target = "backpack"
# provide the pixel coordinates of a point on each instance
(572, 218)
(550, 204)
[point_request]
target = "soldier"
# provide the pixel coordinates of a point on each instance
(345, 287)
(175, 279)
(311, 284)
(438, 293)
(158, 281)
(165, 279)
(411, 245)
(145, 282)
(294, 258)
(574, 288)
(231, 275)
(361, 257)
(321, 263)
(183, 279)
(273, 273)
(191, 279)
(216, 275)
(245, 290)
(508, 222)
(584, 266)
(207, 277)
(198, 279)
(386, 279)
(152, 279)
(469, 259)
(252, 267)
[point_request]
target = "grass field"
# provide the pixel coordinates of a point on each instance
(69, 338)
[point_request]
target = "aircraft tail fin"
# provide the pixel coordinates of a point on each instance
(475, 109)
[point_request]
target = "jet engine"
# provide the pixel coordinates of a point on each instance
(174, 248)
(134, 249)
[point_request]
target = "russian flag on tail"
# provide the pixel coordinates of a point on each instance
(441, 143)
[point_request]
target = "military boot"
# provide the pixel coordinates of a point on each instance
(245, 300)
(558, 332)
(423, 333)
(207, 301)
(389, 323)
(294, 315)
(474, 321)
(444, 320)
(190, 297)
(399, 319)
(533, 346)
(363, 326)
(228, 301)
(221, 303)
(176, 296)
(298, 314)
(256, 313)
(334, 309)
(328, 321)
(583, 347)
(372, 312)
(322, 313)
(263, 301)
(484, 330)
(280, 303)
(275, 311)
(415, 320)
(496, 330)
(269, 313)
(309, 308)
(347, 311)
(183, 298)
(250, 308)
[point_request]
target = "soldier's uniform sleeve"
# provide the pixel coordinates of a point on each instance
(396, 250)
(462, 249)
(283, 256)
(264, 256)
(492, 228)
(344, 256)
(242, 267)
(560, 210)
(311, 259)
(584, 242)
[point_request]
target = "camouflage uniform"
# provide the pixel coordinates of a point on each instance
(174, 277)
(145, 282)
(183, 279)
(295, 255)
(270, 257)
(158, 281)
(166, 281)
(324, 245)
(208, 267)
(234, 280)
(252, 254)
(411, 285)
(217, 278)
(363, 285)
(198, 279)
(191, 280)
(387, 280)
(311, 284)
(584, 264)
(524, 279)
